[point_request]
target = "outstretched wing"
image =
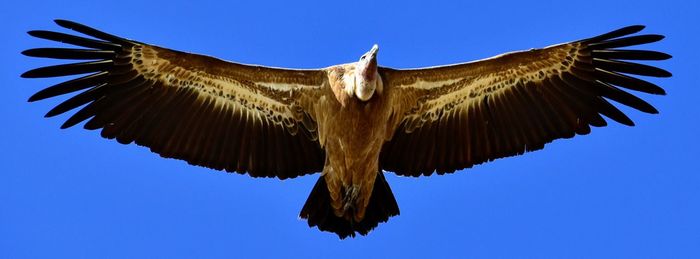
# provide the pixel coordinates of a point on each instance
(456, 116)
(206, 111)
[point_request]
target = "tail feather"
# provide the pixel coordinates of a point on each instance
(318, 211)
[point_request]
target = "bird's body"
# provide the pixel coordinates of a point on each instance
(351, 122)
(352, 143)
(350, 133)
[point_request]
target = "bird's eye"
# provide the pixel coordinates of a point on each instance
(363, 57)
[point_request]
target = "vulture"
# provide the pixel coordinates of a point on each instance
(351, 122)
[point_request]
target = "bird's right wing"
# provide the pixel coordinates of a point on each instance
(209, 112)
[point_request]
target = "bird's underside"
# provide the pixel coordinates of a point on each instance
(351, 121)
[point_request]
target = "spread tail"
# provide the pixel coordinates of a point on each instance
(318, 211)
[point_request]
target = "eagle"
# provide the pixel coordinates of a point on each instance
(351, 122)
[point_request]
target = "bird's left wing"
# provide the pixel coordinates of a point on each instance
(456, 116)
(209, 112)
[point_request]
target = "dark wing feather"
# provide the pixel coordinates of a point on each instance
(206, 111)
(456, 116)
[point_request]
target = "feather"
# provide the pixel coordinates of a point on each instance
(617, 33)
(630, 54)
(61, 53)
(83, 114)
(74, 40)
(628, 82)
(610, 111)
(70, 86)
(78, 100)
(630, 68)
(615, 94)
(92, 32)
(69, 69)
(626, 42)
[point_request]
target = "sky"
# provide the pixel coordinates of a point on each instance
(620, 192)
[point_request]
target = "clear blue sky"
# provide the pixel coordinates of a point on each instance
(618, 192)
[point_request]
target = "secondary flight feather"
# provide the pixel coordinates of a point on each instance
(350, 122)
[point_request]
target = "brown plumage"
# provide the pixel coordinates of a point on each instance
(351, 121)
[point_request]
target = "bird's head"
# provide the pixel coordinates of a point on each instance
(367, 79)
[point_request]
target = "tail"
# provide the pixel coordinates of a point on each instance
(318, 211)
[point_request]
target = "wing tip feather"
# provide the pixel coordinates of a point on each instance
(36, 33)
(81, 28)
(624, 31)
(30, 74)
(66, 23)
(636, 27)
(35, 97)
(53, 112)
(66, 125)
(628, 124)
(627, 30)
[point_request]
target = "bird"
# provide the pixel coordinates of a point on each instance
(351, 122)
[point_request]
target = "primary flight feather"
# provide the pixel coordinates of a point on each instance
(351, 121)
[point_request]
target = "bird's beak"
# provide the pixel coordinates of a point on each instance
(374, 50)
